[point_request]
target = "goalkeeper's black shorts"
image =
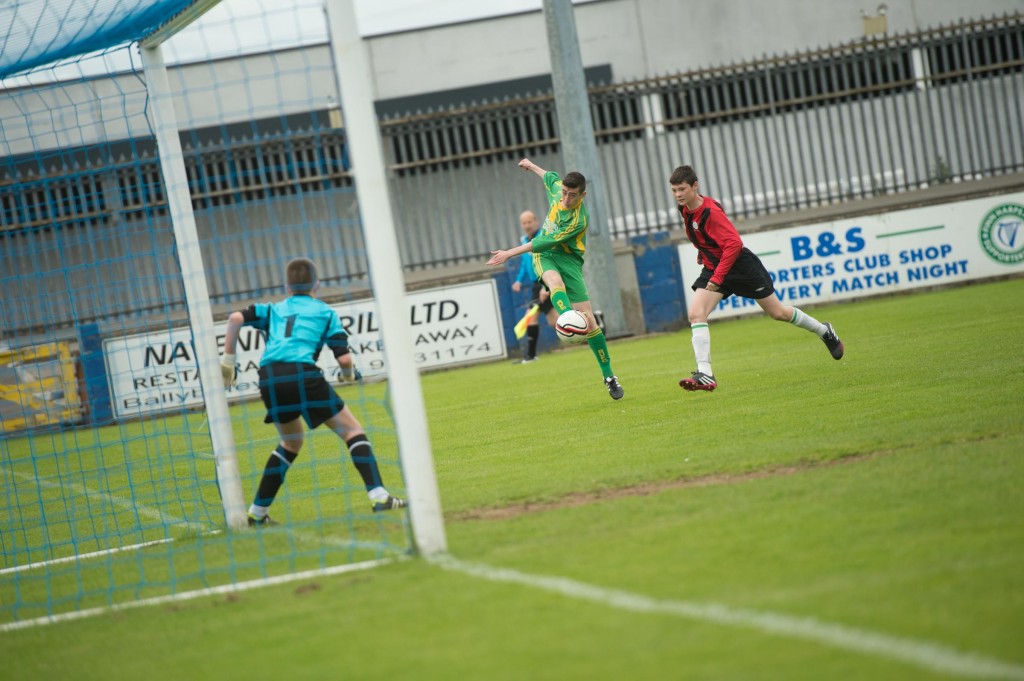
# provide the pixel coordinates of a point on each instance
(291, 389)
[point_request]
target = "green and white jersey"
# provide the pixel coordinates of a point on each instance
(564, 230)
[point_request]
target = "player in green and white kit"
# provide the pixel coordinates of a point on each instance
(558, 252)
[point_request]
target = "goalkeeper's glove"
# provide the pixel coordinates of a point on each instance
(227, 370)
(349, 375)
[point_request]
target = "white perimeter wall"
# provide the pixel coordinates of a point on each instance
(642, 38)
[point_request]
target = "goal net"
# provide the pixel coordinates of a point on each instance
(121, 450)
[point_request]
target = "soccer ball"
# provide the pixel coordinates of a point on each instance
(572, 326)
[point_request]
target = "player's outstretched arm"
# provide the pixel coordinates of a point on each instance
(527, 164)
(500, 257)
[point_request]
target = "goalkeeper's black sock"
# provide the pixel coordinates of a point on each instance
(361, 451)
(532, 332)
(273, 476)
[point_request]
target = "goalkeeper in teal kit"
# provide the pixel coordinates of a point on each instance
(294, 389)
(558, 258)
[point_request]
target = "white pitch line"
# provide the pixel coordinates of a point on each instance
(128, 504)
(152, 513)
(83, 556)
(925, 654)
(308, 537)
(199, 593)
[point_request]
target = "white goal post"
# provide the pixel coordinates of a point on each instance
(351, 65)
(362, 135)
(193, 274)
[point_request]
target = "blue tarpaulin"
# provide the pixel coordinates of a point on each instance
(38, 32)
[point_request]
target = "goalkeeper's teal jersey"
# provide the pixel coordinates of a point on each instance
(564, 230)
(297, 329)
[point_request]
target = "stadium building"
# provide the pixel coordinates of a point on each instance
(824, 107)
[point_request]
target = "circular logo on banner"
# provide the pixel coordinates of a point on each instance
(1002, 233)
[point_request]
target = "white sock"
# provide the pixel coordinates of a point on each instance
(702, 347)
(806, 321)
(378, 495)
(258, 511)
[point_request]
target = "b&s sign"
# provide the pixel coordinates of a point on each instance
(873, 254)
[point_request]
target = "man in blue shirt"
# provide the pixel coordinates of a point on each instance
(293, 386)
(539, 295)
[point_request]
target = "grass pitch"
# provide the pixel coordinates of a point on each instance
(881, 492)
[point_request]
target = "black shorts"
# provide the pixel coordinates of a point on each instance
(546, 306)
(747, 278)
(290, 390)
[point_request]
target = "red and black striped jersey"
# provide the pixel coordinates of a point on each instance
(716, 239)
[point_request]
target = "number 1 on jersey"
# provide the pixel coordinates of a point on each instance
(289, 325)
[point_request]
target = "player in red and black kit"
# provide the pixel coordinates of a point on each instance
(729, 268)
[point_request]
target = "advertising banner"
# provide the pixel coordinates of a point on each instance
(453, 325)
(882, 253)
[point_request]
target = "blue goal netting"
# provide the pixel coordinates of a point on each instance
(40, 32)
(108, 486)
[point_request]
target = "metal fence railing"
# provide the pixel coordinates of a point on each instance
(780, 133)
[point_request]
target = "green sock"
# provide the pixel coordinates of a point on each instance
(595, 339)
(560, 300)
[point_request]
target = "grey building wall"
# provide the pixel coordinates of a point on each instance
(641, 38)
(216, 93)
(635, 38)
(123, 273)
(119, 268)
(106, 254)
(687, 35)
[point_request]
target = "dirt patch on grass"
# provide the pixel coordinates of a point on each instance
(575, 499)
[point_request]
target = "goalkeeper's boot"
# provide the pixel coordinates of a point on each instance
(390, 504)
(698, 381)
(832, 342)
(265, 521)
(614, 389)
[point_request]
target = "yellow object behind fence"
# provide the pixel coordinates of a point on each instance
(38, 387)
(530, 315)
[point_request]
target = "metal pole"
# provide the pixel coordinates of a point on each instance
(193, 274)
(579, 149)
(352, 68)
